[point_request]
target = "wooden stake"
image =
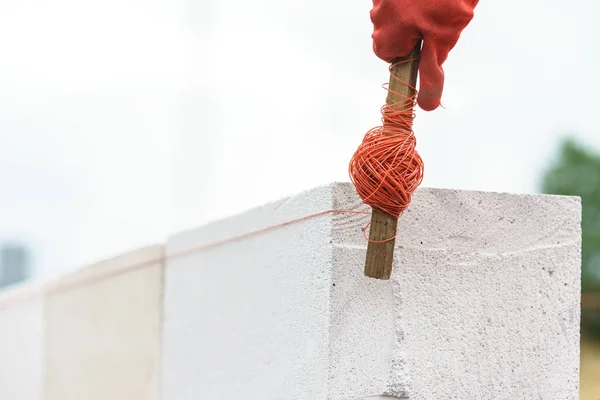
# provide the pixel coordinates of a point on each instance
(380, 256)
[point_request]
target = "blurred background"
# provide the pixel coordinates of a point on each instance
(124, 121)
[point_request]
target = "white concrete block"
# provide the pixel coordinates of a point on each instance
(21, 343)
(483, 302)
(103, 330)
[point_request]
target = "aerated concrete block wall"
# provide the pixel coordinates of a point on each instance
(484, 302)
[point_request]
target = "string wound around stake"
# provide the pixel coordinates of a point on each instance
(386, 169)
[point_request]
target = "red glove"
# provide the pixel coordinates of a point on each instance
(399, 24)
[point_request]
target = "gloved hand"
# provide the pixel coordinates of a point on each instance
(399, 24)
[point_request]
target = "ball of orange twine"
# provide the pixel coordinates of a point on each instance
(386, 168)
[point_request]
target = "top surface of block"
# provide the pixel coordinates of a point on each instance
(463, 220)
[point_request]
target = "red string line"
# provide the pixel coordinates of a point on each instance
(54, 286)
(265, 229)
(376, 241)
(386, 168)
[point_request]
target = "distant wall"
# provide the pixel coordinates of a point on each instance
(93, 334)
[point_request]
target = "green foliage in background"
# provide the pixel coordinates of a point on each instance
(576, 172)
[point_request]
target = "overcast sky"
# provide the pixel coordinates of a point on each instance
(124, 121)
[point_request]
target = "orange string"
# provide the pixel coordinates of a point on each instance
(262, 230)
(148, 263)
(386, 169)
(376, 241)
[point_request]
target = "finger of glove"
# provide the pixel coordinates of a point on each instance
(437, 43)
(431, 74)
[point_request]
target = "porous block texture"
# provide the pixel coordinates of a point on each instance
(103, 330)
(21, 343)
(483, 303)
